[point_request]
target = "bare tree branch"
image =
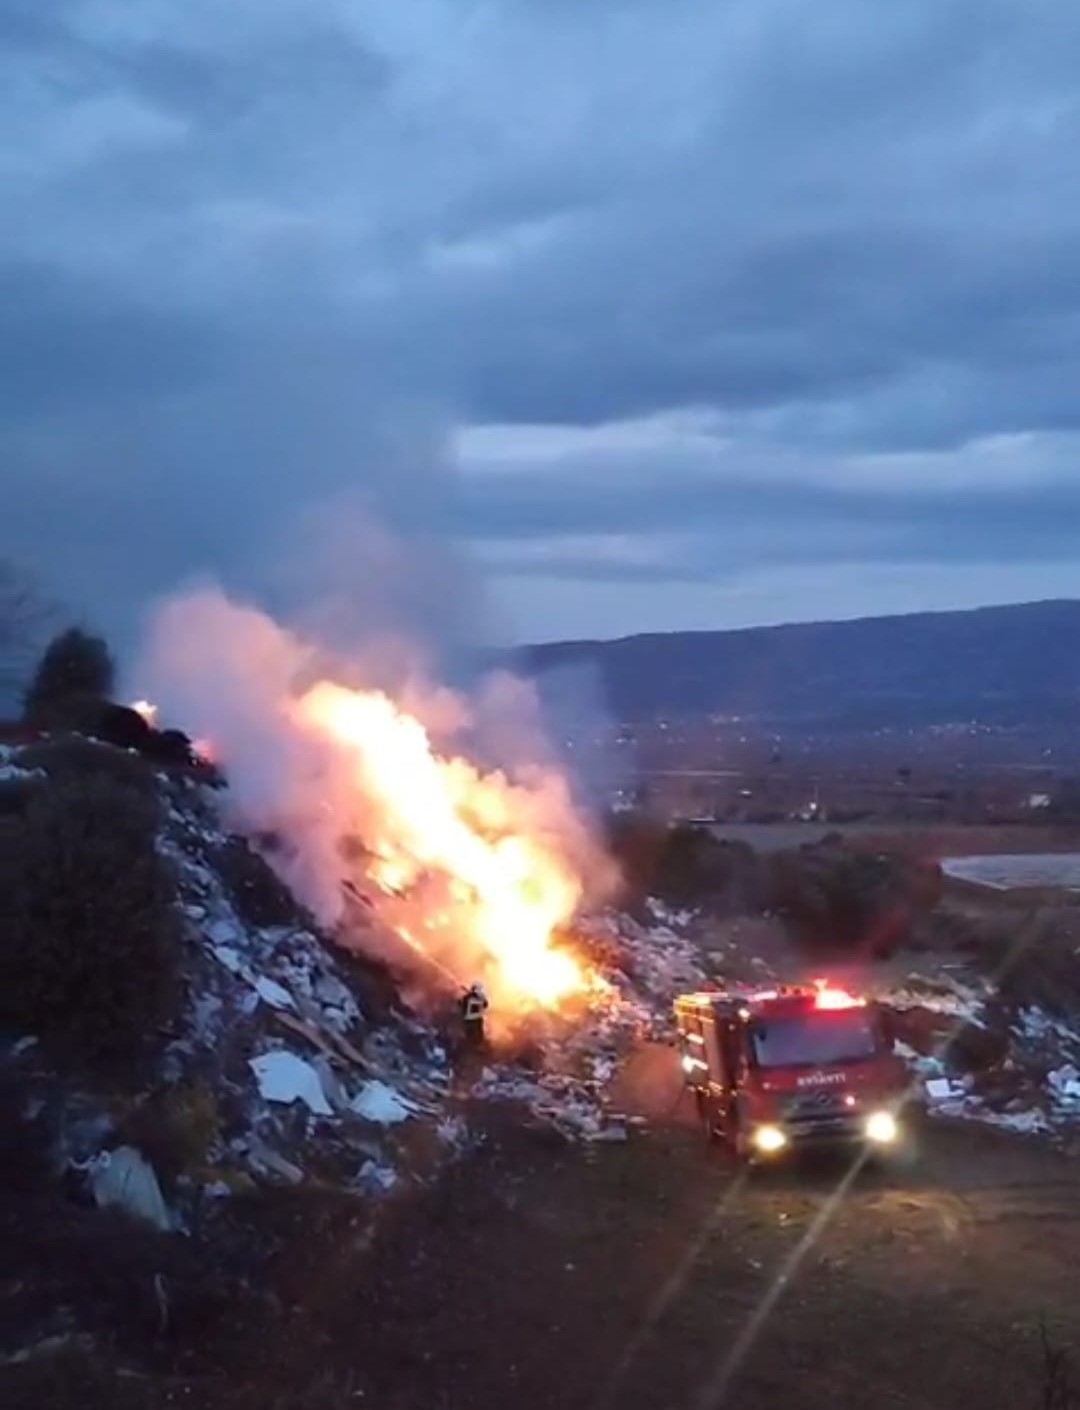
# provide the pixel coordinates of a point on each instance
(25, 618)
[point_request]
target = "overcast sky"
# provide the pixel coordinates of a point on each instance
(667, 312)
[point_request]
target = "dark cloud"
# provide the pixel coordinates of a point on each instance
(66, 342)
(261, 257)
(748, 524)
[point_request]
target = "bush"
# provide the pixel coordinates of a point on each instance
(75, 670)
(686, 865)
(839, 898)
(89, 957)
(71, 757)
(176, 1128)
(122, 726)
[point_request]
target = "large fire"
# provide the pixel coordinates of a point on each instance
(459, 875)
(402, 848)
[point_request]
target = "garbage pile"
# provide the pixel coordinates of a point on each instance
(296, 1061)
(566, 1085)
(291, 1061)
(983, 1058)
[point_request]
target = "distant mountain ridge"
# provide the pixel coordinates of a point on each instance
(1014, 666)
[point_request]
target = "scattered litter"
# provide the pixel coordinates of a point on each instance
(274, 994)
(284, 1077)
(263, 1158)
(377, 1102)
(333, 1090)
(376, 1178)
(943, 1089)
(452, 1131)
(611, 1134)
(1065, 1083)
(122, 1179)
(49, 1346)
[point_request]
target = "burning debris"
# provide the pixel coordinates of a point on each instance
(468, 874)
(296, 1059)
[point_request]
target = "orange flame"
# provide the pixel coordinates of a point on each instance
(146, 710)
(449, 846)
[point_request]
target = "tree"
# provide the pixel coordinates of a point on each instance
(24, 617)
(90, 947)
(73, 679)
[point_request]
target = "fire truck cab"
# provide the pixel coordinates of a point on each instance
(783, 1069)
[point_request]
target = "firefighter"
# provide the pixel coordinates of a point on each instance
(474, 1004)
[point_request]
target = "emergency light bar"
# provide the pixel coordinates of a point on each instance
(822, 995)
(827, 998)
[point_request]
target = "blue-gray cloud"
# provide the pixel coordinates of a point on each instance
(260, 256)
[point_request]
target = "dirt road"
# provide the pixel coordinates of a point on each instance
(648, 1275)
(653, 1276)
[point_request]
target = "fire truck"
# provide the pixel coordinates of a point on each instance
(778, 1070)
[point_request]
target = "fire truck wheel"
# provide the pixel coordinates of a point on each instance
(741, 1148)
(707, 1117)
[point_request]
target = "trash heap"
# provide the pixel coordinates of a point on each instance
(982, 1058)
(326, 1065)
(566, 1084)
(295, 1061)
(292, 1060)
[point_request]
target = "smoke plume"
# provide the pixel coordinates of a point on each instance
(365, 772)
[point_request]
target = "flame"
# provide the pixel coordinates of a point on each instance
(448, 846)
(395, 846)
(146, 710)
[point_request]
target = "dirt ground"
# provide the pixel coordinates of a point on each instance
(639, 1276)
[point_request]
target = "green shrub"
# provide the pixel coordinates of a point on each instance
(89, 953)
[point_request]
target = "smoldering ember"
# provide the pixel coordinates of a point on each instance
(248, 1112)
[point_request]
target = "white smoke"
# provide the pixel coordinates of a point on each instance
(228, 673)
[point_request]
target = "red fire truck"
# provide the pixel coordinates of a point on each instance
(782, 1069)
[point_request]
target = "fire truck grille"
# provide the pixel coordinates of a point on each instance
(819, 1110)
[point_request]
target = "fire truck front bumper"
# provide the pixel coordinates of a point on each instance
(878, 1129)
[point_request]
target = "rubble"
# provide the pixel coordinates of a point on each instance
(285, 1078)
(379, 1103)
(122, 1179)
(979, 1058)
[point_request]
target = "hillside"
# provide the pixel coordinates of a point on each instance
(1015, 666)
(250, 1164)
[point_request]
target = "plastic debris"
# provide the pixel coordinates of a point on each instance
(273, 993)
(377, 1102)
(1065, 1083)
(263, 1158)
(122, 1179)
(376, 1178)
(942, 1089)
(284, 1077)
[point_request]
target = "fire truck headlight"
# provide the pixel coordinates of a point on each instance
(769, 1139)
(882, 1128)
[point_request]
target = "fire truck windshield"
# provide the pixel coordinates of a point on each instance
(815, 1038)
